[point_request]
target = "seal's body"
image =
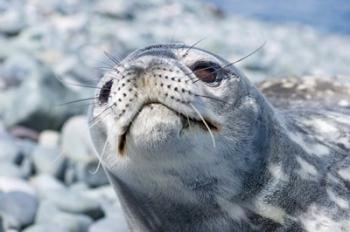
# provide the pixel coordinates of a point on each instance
(190, 145)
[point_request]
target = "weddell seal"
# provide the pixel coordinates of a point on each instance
(189, 144)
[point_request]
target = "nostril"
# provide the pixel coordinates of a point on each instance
(105, 91)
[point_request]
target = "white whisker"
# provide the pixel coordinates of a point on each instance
(99, 120)
(100, 158)
(205, 123)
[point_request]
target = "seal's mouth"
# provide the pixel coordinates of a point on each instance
(187, 122)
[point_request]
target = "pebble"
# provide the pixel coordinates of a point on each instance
(49, 161)
(12, 22)
(9, 152)
(20, 206)
(40, 109)
(77, 147)
(49, 138)
(45, 184)
(11, 170)
(109, 224)
(74, 202)
(48, 213)
(45, 227)
(11, 184)
(76, 142)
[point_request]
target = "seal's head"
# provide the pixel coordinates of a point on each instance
(179, 122)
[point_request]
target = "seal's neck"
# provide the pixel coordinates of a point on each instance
(217, 210)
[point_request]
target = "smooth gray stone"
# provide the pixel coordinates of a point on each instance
(76, 142)
(12, 184)
(9, 152)
(45, 184)
(11, 170)
(49, 138)
(2, 229)
(12, 22)
(74, 202)
(109, 224)
(17, 68)
(50, 214)
(77, 147)
(46, 227)
(36, 102)
(49, 161)
(20, 206)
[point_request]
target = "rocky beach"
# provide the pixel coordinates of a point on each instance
(53, 52)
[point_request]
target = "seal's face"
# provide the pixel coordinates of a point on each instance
(174, 109)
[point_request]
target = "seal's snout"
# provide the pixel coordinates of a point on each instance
(164, 83)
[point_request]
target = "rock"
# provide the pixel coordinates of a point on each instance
(77, 146)
(76, 203)
(45, 184)
(20, 206)
(9, 223)
(36, 102)
(76, 141)
(2, 229)
(49, 138)
(49, 161)
(49, 214)
(26, 148)
(18, 67)
(111, 206)
(11, 184)
(11, 170)
(91, 173)
(45, 227)
(12, 22)
(9, 152)
(115, 9)
(109, 224)
(104, 193)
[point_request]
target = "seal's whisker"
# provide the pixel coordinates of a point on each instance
(100, 158)
(212, 98)
(188, 121)
(58, 157)
(115, 60)
(87, 85)
(102, 68)
(205, 123)
(252, 53)
(83, 85)
(96, 119)
(192, 46)
(77, 101)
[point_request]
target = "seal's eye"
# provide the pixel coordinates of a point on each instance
(206, 71)
(105, 91)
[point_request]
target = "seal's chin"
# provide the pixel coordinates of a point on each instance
(157, 126)
(154, 126)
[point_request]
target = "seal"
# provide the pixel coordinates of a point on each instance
(189, 144)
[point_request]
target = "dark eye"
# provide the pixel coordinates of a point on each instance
(206, 71)
(105, 91)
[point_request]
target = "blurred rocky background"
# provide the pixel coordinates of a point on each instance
(50, 49)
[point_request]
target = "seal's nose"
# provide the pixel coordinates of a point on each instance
(105, 92)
